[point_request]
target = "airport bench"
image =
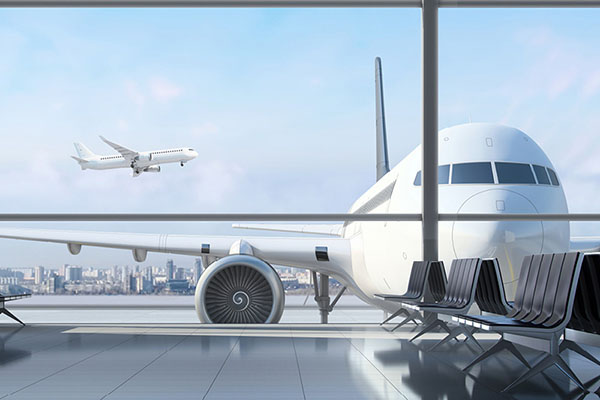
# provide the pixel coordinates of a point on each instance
(542, 309)
(4, 299)
(459, 296)
(426, 277)
(490, 297)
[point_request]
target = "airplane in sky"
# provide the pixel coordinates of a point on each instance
(483, 168)
(143, 161)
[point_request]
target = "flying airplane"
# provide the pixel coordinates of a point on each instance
(483, 168)
(144, 161)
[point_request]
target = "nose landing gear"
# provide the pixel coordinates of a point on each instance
(181, 163)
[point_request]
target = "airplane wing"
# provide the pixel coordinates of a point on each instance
(127, 154)
(319, 229)
(583, 243)
(289, 251)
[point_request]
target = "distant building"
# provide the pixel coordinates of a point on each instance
(170, 270)
(39, 275)
(74, 274)
(179, 274)
(54, 284)
(197, 270)
(177, 286)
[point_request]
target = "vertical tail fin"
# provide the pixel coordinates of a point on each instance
(83, 151)
(383, 165)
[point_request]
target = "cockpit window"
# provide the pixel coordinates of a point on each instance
(541, 175)
(553, 177)
(443, 175)
(478, 172)
(514, 173)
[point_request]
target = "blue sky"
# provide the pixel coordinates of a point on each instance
(279, 104)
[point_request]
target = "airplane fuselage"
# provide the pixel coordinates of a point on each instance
(479, 167)
(146, 159)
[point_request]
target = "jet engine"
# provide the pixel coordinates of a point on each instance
(239, 289)
(153, 168)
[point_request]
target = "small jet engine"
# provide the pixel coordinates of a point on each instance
(239, 289)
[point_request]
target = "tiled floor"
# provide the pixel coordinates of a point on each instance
(285, 361)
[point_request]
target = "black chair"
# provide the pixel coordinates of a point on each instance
(414, 290)
(542, 309)
(489, 296)
(4, 299)
(424, 275)
(584, 326)
(460, 294)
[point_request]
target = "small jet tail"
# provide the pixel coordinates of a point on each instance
(83, 151)
(81, 161)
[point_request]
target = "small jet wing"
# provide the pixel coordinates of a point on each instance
(127, 154)
(589, 243)
(319, 229)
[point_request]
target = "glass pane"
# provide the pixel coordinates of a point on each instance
(479, 172)
(514, 173)
(553, 177)
(443, 174)
(542, 176)
(417, 181)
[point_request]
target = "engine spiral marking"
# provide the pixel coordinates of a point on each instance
(241, 300)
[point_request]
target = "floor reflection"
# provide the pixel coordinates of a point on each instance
(10, 353)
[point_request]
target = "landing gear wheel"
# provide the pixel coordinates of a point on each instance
(181, 164)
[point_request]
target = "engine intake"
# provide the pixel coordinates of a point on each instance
(239, 289)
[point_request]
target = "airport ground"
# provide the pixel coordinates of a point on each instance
(164, 353)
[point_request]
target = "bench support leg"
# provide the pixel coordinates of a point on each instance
(11, 315)
(498, 347)
(435, 324)
(459, 330)
(569, 345)
(548, 361)
(415, 316)
(401, 311)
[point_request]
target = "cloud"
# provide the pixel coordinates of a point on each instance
(164, 90)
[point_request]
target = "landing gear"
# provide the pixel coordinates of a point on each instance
(321, 287)
(181, 163)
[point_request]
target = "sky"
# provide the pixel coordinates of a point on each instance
(279, 103)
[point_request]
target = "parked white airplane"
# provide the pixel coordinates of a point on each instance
(483, 168)
(144, 161)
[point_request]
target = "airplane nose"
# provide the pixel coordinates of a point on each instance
(509, 241)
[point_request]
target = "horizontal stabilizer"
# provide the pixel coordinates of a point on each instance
(319, 229)
(79, 160)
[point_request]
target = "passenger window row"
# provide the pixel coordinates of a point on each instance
(483, 172)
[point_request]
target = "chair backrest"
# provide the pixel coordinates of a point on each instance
(565, 293)
(530, 286)
(490, 295)
(461, 284)
(469, 286)
(586, 308)
(457, 272)
(518, 303)
(437, 280)
(416, 281)
(541, 284)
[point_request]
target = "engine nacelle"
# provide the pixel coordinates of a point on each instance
(153, 168)
(239, 289)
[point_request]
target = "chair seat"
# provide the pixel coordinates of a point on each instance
(396, 297)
